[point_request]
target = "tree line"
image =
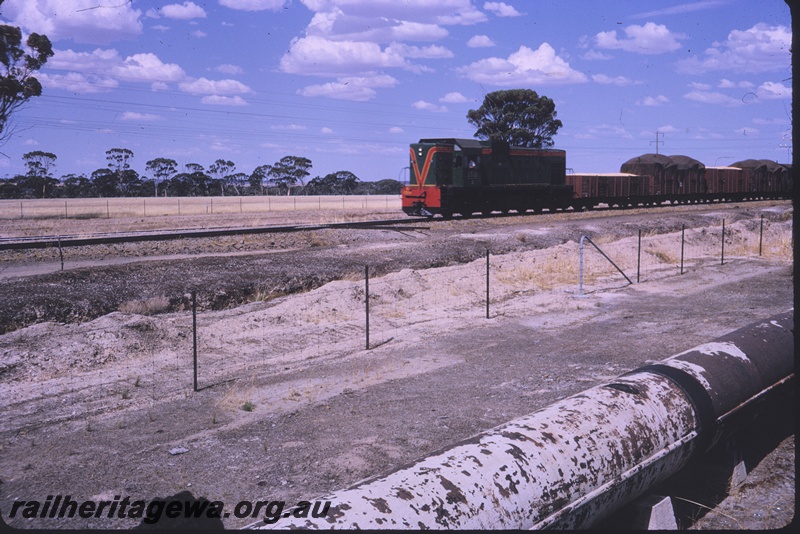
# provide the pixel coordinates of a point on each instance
(164, 177)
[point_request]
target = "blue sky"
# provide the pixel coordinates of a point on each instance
(350, 84)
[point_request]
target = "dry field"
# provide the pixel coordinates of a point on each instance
(292, 405)
(116, 208)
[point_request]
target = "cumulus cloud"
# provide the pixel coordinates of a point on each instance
(616, 80)
(654, 101)
(221, 100)
(604, 131)
(254, 5)
(185, 11)
(651, 38)
(135, 116)
(76, 82)
(501, 9)
(761, 48)
(101, 70)
(319, 56)
(480, 41)
(523, 67)
(454, 98)
(712, 97)
(75, 19)
(204, 86)
(357, 89)
(427, 106)
(227, 68)
(773, 90)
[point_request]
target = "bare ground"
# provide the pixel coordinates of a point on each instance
(94, 398)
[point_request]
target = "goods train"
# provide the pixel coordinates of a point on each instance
(465, 176)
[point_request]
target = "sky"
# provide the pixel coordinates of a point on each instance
(349, 84)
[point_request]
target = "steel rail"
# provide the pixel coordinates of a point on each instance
(17, 243)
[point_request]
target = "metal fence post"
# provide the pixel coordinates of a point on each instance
(639, 257)
(722, 258)
(683, 230)
(194, 334)
(761, 235)
(366, 300)
(487, 283)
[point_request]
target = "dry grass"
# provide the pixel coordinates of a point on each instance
(150, 306)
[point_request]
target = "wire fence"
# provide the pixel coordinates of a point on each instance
(364, 313)
(90, 208)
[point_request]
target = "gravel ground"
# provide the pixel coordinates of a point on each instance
(95, 361)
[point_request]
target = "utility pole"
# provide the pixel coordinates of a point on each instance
(657, 141)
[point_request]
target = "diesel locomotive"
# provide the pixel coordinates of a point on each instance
(465, 176)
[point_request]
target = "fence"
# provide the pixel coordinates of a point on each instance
(347, 316)
(170, 206)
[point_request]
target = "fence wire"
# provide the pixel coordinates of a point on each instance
(332, 320)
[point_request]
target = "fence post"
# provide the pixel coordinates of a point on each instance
(487, 283)
(366, 300)
(639, 257)
(722, 259)
(65, 209)
(683, 229)
(761, 235)
(194, 334)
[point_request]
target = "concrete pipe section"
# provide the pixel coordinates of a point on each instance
(574, 462)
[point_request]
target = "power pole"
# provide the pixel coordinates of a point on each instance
(657, 141)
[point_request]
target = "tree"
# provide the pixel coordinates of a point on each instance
(39, 163)
(162, 169)
(17, 83)
(337, 183)
(519, 117)
(288, 171)
(221, 170)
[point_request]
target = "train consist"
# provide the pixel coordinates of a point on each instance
(465, 176)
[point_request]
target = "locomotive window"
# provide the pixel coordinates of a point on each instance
(458, 161)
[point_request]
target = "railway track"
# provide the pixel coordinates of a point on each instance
(76, 240)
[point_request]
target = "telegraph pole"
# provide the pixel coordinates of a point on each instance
(657, 141)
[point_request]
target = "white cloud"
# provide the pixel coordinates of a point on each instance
(711, 97)
(221, 100)
(227, 68)
(357, 89)
(199, 34)
(617, 80)
(396, 130)
(204, 86)
(480, 41)
(653, 101)
(454, 98)
(681, 9)
(523, 67)
(135, 116)
(594, 55)
(326, 131)
(76, 82)
(700, 86)
(761, 48)
(427, 106)
(604, 131)
(185, 11)
(429, 52)
(501, 9)
(100, 70)
(315, 55)
(254, 5)
(651, 38)
(75, 19)
(773, 90)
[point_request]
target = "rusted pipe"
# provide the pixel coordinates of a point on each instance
(574, 462)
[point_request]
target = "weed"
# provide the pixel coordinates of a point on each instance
(126, 395)
(150, 306)
(137, 382)
(248, 406)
